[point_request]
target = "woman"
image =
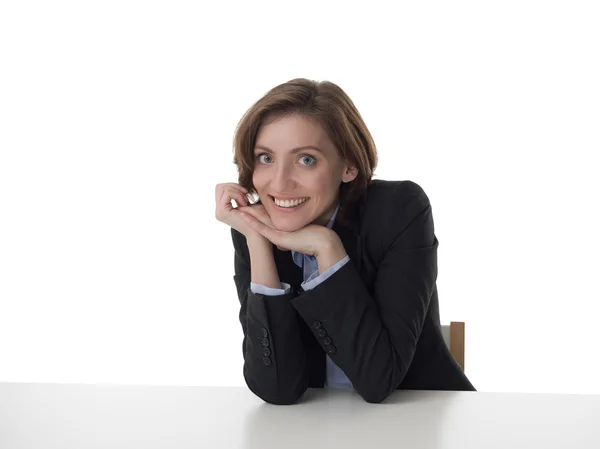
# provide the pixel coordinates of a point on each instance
(335, 272)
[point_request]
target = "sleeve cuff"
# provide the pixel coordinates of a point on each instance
(263, 290)
(316, 278)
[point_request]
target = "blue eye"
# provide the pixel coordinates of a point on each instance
(262, 154)
(309, 158)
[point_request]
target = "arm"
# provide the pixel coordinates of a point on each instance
(263, 290)
(327, 272)
(372, 336)
(275, 365)
(314, 280)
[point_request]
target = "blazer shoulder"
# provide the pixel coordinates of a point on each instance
(391, 206)
(394, 197)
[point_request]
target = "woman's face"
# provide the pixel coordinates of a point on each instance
(295, 160)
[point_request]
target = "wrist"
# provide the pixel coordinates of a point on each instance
(330, 253)
(262, 263)
(258, 241)
(328, 243)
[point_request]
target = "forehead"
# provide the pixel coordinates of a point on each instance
(285, 133)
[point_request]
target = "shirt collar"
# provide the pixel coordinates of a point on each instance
(332, 219)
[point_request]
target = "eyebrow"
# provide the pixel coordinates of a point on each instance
(294, 150)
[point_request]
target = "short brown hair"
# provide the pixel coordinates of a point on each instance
(333, 109)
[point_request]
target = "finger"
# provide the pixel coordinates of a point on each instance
(237, 187)
(250, 210)
(223, 198)
(240, 199)
(259, 214)
(220, 188)
(225, 206)
(234, 194)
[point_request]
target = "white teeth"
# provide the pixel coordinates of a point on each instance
(288, 203)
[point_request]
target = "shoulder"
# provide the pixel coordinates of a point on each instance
(382, 191)
(393, 196)
(390, 206)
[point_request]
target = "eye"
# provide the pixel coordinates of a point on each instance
(311, 159)
(263, 154)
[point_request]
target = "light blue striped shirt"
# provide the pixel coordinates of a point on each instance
(335, 377)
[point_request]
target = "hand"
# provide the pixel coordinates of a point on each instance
(226, 213)
(308, 240)
(259, 212)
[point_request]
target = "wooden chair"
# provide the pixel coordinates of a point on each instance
(454, 336)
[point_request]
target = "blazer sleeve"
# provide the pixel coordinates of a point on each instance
(372, 335)
(275, 363)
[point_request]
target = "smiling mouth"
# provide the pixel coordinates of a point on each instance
(290, 208)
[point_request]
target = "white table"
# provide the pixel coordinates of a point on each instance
(69, 416)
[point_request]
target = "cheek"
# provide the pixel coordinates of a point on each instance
(323, 183)
(256, 180)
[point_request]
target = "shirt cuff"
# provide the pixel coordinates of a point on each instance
(269, 291)
(316, 278)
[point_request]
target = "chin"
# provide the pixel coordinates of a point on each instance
(289, 227)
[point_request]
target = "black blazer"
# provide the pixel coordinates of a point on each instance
(377, 317)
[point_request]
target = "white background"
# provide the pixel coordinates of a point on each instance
(117, 119)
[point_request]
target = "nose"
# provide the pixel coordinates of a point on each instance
(282, 179)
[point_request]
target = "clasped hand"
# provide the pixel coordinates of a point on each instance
(310, 239)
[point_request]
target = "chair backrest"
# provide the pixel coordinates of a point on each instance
(454, 336)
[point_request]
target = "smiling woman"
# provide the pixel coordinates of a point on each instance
(335, 272)
(307, 177)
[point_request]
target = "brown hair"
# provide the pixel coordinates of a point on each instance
(331, 107)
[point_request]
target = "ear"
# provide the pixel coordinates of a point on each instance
(350, 173)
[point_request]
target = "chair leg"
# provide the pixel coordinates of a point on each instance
(457, 342)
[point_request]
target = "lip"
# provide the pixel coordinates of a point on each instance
(289, 198)
(287, 210)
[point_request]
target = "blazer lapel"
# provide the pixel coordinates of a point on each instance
(350, 237)
(348, 230)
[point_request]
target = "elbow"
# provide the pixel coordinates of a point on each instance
(275, 394)
(375, 395)
(376, 388)
(280, 399)
(277, 398)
